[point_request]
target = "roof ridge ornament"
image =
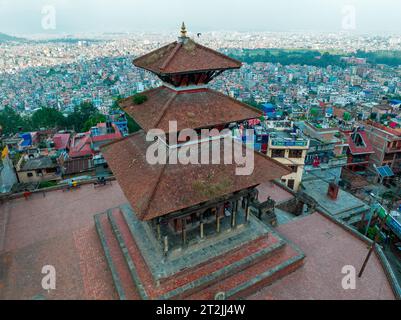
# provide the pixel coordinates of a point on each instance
(183, 37)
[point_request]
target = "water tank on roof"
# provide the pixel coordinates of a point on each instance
(268, 108)
(347, 116)
(314, 112)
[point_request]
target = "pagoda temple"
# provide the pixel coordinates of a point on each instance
(189, 230)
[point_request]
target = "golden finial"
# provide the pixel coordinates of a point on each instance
(183, 30)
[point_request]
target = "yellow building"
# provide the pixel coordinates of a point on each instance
(289, 148)
(38, 169)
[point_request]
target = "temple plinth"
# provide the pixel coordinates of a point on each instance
(189, 228)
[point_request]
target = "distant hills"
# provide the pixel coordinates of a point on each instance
(67, 39)
(7, 38)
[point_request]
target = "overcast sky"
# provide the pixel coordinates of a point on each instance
(75, 16)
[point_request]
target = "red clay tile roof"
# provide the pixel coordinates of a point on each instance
(368, 148)
(61, 140)
(179, 57)
(81, 146)
(191, 109)
(157, 190)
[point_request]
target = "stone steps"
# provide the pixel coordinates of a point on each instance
(257, 244)
(217, 272)
(256, 277)
(115, 259)
(127, 246)
(261, 246)
(182, 283)
(194, 258)
(134, 280)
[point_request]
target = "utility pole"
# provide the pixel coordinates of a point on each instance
(372, 214)
(376, 239)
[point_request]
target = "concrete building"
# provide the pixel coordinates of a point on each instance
(327, 153)
(359, 150)
(386, 143)
(287, 146)
(341, 205)
(62, 233)
(38, 169)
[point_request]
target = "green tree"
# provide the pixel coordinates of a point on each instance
(131, 123)
(81, 114)
(11, 121)
(93, 121)
(48, 118)
(252, 102)
(288, 57)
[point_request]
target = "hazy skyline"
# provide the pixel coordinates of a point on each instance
(81, 16)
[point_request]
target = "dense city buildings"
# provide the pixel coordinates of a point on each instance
(63, 73)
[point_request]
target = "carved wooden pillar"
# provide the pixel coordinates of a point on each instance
(247, 209)
(184, 231)
(218, 219)
(234, 214)
(165, 245)
(159, 235)
(201, 226)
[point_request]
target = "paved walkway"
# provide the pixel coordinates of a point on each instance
(328, 248)
(4, 215)
(277, 193)
(57, 230)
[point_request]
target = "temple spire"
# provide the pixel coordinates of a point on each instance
(183, 37)
(183, 30)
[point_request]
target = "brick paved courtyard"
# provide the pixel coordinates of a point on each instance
(59, 230)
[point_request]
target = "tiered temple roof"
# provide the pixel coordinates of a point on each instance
(184, 57)
(195, 109)
(157, 190)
